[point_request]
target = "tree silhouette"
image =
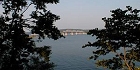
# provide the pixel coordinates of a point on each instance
(17, 50)
(120, 36)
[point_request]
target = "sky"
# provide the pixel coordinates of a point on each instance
(85, 14)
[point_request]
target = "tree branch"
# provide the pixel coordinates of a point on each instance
(26, 8)
(125, 60)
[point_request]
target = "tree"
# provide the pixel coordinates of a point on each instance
(122, 32)
(17, 50)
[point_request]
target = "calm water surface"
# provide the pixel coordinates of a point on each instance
(68, 54)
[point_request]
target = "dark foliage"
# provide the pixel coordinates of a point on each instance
(17, 50)
(122, 32)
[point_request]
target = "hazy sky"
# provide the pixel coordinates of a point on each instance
(86, 14)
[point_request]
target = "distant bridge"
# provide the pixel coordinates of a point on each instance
(66, 32)
(72, 32)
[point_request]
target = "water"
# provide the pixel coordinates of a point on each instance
(68, 54)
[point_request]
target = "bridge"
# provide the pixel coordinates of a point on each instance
(72, 32)
(66, 32)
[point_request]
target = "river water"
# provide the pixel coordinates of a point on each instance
(68, 54)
